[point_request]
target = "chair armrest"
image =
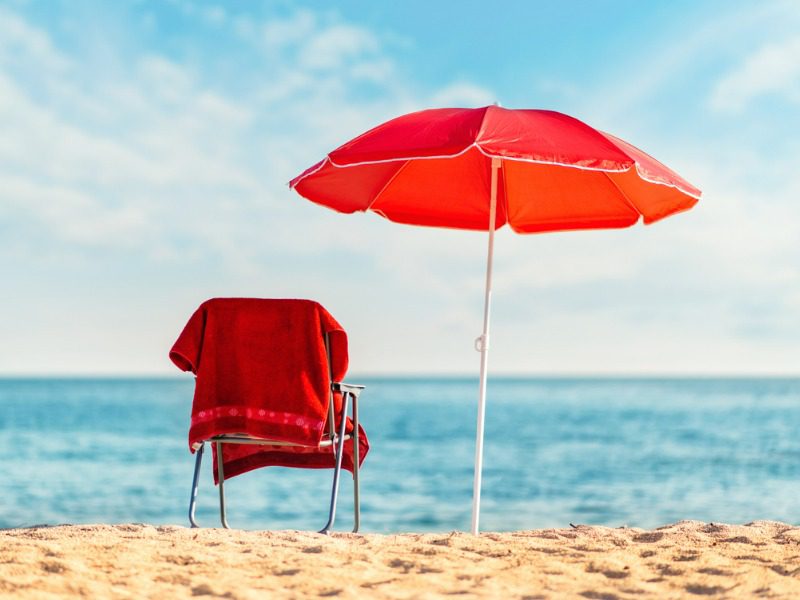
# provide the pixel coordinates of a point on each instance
(340, 386)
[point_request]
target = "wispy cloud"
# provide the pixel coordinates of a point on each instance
(20, 42)
(462, 94)
(334, 46)
(772, 70)
(667, 68)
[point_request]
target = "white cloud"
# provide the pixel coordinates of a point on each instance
(462, 94)
(378, 71)
(332, 47)
(165, 78)
(215, 15)
(278, 32)
(664, 67)
(772, 70)
(21, 41)
(72, 216)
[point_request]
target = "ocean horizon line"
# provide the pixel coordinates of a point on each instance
(554, 376)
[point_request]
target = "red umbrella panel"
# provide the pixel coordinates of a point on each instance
(483, 168)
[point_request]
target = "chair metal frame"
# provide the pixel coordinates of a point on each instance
(333, 438)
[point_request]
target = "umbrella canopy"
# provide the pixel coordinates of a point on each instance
(482, 168)
(433, 168)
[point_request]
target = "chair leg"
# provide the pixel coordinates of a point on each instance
(356, 457)
(221, 476)
(339, 453)
(195, 483)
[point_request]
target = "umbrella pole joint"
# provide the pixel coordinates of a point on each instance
(482, 343)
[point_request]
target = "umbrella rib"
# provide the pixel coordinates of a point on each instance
(628, 201)
(386, 185)
(681, 188)
(505, 197)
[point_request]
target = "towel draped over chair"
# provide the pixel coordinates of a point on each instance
(262, 370)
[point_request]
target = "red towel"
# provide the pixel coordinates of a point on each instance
(262, 370)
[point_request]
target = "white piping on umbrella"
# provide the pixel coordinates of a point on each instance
(401, 159)
(551, 162)
(310, 173)
(635, 165)
(482, 151)
(672, 185)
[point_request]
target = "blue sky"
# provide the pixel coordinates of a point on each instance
(145, 148)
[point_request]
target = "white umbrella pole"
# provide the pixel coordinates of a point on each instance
(482, 345)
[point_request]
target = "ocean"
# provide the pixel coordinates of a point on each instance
(636, 452)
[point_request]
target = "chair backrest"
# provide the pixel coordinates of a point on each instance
(332, 402)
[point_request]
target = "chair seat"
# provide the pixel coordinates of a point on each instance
(245, 438)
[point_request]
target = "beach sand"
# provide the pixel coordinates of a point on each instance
(685, 560)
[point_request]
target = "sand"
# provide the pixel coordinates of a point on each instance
(685, 560)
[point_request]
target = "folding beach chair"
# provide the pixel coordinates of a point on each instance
(268, 392)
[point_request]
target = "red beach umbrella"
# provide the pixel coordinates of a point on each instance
(483, 168)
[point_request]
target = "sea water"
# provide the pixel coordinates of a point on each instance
(636, 452)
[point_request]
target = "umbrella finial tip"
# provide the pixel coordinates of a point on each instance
(495, 103)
